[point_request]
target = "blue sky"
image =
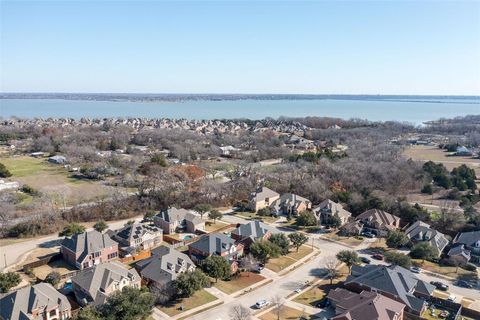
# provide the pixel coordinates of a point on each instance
(241, 47)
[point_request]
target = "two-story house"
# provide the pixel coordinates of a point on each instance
(164, 266)
(84, 250)
(328, 209)
(289, 203)
(376, 221)
(422, 232)
(252, 231)
(137, 236)
(216, 244)
(93, 286)
(263, 197)
(470, 242)
(178, 220)
(38, 302)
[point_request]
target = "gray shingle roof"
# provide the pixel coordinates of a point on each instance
(135, 231)
(20, 304)
(254, 230)
(331, 207)
(88, 242)
(383, 218)
(213, 243)
(263, 192)
(290, 200)
(174, 214)
(468, 238)
(96, 280)
(164, 265)
(394, 280)
(421, 231)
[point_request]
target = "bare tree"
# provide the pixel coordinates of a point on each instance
(278, 304)
(249, 263)
(331, 264)
(239, 312)
(457, 261)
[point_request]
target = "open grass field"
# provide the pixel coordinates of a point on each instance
(286, 313)
(283, 262)
(246, 279)
(199, 298)
(334, 236)
(52, 179)
(426, 153)
(253, 216)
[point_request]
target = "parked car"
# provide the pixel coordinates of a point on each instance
(323, 304)
(365, 260)
(260, 266)
(377, 256)
(261, 304)
(415, 269)
(452, 298)
(298, 290)
(368, 234)
(464, 284)
(439, 285)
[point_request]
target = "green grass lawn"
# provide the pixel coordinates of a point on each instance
(352, 241)
(253, 216)
(28, 166)
(283, 262)
(445, 270)
(246, 279)
(199, 298)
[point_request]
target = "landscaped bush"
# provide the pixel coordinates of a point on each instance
(469, 267)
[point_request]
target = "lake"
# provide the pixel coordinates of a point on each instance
(409, 110)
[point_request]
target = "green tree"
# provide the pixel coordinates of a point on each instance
(333, 221)
(129, 304)
(53, 278)
(397, 239)
(422, 250)
(263, 250)
(159, 159)
(214, 215)
(88, 313)
(188, 282)
(8, 280)
(427, 189)
(100, 226)
(305, 219)
(298, 239)
(398, 259)
(349, 257)
(71, 229)
(264, 212)
(202, 208)
(216, 267)
(4, 173)
(281, 240)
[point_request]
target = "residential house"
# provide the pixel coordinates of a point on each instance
(366, 305)
(460, 252)
(164, 266)
(327, 209)
(179, 220)
(289, 203)
(216, 244)
(252, 231)
(422, 232)
(471, 242)
(84, 250)
(137, 236)
(377, 221)
(37, 302)
(93, 286)
(263, 197)
(394, 282)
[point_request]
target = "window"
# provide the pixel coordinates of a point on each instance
(97, 254)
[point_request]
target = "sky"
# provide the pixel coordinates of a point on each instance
(314, 47)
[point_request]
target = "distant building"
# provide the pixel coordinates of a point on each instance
(57, 160)
(327, 209)
(263, 197)
(422, 232)
(289, 203)
(93, 286)
(137, 236)
(9, 185)
(85, 250)
(463, 151)
(179, 220)
(37, 302)
(164, 266)
(228, 151)
(365, 305)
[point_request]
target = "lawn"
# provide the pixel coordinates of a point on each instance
(246, 279)
(253, 216)
(212, 227)
(199, 298)
(445, 270)
(52, 179)
(287, 313)
(334, 236)
(319, 291)
(283, 262)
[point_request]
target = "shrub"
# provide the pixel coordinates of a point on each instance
(469, 267)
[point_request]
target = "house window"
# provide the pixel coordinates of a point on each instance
(112, 255)
(97, 254)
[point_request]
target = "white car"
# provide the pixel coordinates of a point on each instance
(261, 304)
(298, 290)
(452, 298)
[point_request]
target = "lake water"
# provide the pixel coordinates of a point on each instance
(413, 111)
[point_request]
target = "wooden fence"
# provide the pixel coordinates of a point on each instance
(43, 261)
